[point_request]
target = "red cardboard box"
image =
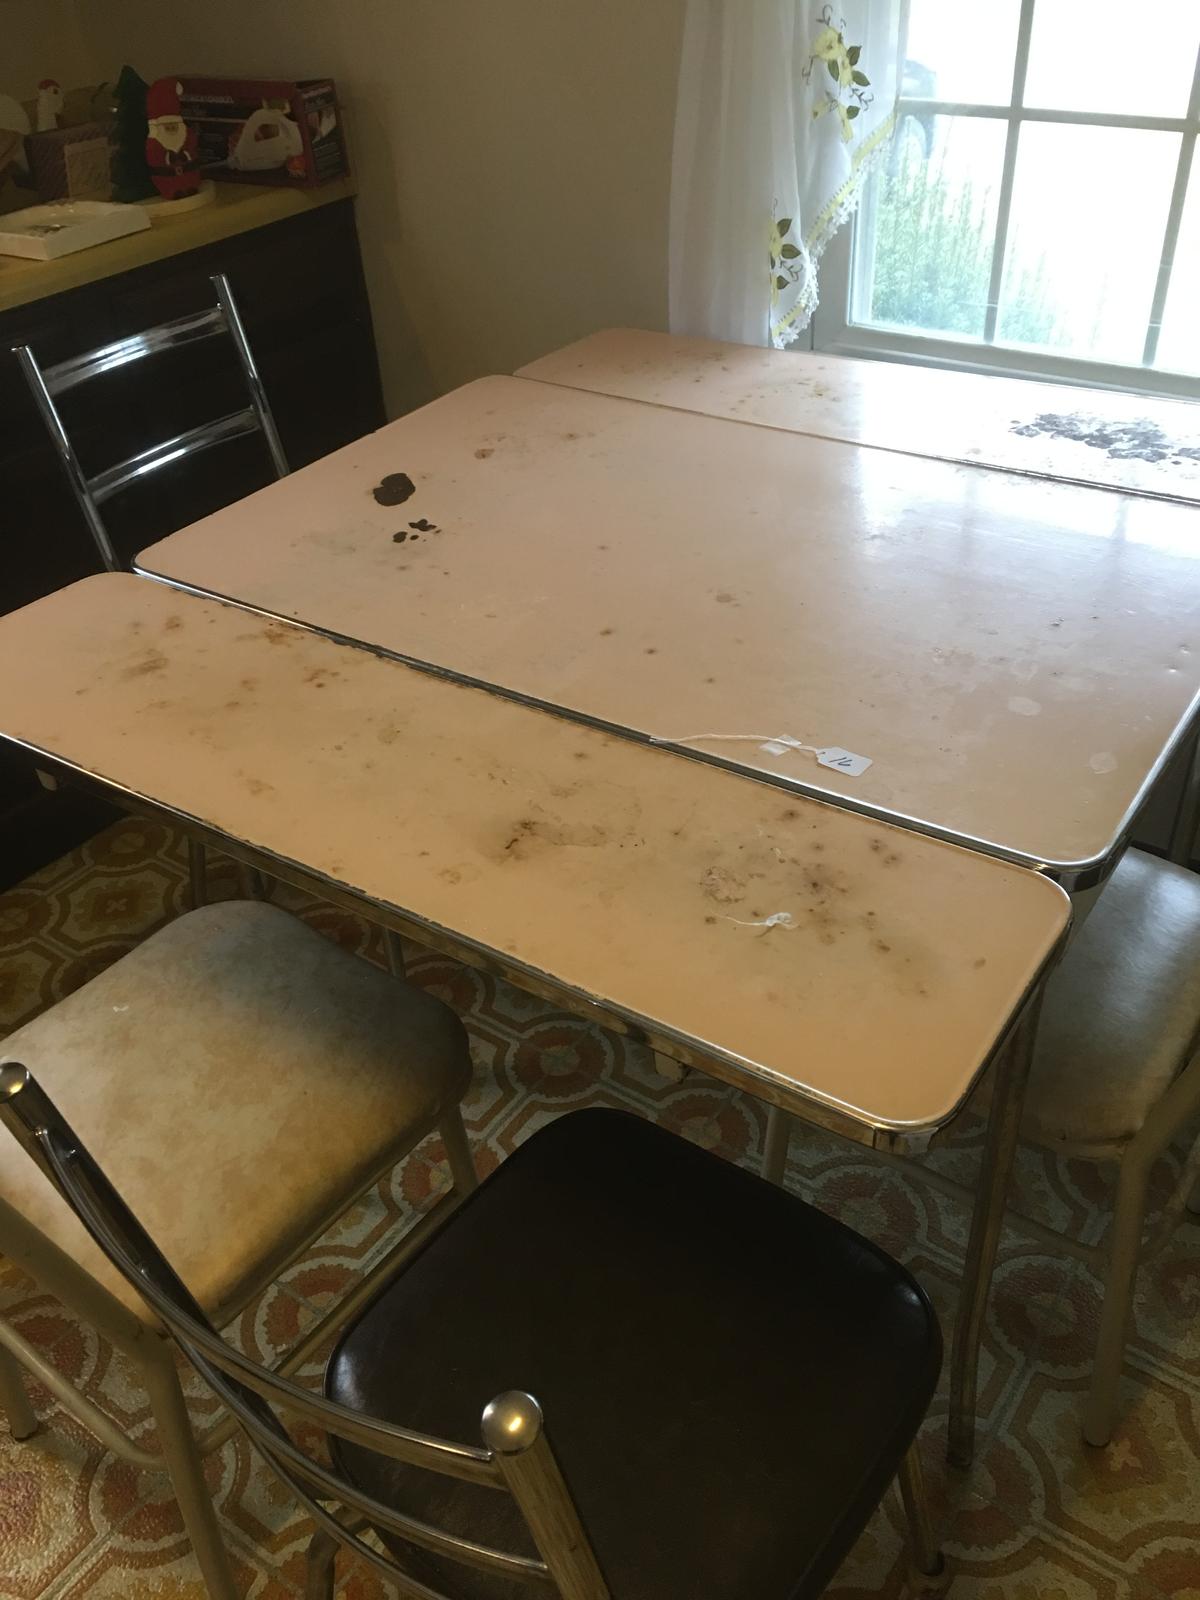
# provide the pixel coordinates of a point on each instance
(258, 130)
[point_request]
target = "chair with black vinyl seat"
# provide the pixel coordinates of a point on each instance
(802, 1362)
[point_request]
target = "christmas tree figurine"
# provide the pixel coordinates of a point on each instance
(130, 170)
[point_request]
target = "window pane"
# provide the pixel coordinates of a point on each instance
(1109, 55)
(961, 52)
(1075, 279)
(933, 220)
(1179, 341)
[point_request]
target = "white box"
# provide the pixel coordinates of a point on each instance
(43, 233)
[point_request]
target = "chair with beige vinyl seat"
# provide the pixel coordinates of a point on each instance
(246, 1081)
(1115, 1077)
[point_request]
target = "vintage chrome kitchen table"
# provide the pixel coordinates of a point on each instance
(1015, 658)
(856, 974)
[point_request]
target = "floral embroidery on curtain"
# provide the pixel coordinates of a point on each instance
(783, 108)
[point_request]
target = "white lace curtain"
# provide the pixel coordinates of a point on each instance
(783, 104)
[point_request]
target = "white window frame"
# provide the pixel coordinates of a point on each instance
(834, 331)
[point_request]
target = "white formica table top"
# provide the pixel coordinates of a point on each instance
(1015, 657)
(635, 884)
(1132, 442)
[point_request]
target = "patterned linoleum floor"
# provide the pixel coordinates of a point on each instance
(1040, 1516)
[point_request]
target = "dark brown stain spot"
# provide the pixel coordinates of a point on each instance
(981, 961)
(651, 650)
(710, 920)
(483, 454)
(276, 633)
(173, 623)
(394, 490)
(1132, 439)
(259, 786)
(399, 538)
(607, 633)
(581, 755)
(726, 599)
(884, 948)
(423, 525)
(152, 661)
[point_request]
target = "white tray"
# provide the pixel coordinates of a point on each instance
(43, 233)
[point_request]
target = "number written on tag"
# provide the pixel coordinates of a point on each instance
(843, 761)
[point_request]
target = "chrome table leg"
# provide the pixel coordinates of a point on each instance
(987, 1220)
(1187, 813)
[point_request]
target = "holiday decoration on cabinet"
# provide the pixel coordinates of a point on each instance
(171, 146)
(266, 131)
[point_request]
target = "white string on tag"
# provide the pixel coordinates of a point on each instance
(783, 741)
(779, 919)
(778, 744)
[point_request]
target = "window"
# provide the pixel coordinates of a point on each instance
(1038, 210)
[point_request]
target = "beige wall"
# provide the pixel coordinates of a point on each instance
(44, 39)
(513, 156)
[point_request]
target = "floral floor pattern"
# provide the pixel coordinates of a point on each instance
(1039, 1517)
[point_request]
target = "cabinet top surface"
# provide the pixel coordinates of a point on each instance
(238, 208)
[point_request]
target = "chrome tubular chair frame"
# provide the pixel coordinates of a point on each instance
(515, 1454)
(46, 384)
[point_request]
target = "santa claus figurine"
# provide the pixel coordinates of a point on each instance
(171, 146)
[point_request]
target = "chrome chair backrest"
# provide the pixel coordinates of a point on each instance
(46, 384)
(515, 1455)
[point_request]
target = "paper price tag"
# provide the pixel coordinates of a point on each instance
(843, 761)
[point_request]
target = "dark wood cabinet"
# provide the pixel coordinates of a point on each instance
(299, 285)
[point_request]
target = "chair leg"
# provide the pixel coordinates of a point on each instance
(182, 1458)
(255, 885)
(1124, 1253)
(197, 874)
(775, 1144)
(927, 1565)
(14, 1399)
(395, 953)
(320, 1564)
(458, 1151)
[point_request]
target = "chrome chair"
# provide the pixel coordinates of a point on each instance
(48, 384)
(245, 1080)
(802, 1364)
(1115, 1079)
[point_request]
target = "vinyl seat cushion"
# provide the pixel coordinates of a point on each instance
(729, 1377)
(241, 1080)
